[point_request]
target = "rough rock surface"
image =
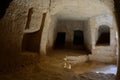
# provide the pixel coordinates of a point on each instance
(96, 76)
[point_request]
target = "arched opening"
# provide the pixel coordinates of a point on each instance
(103, 35)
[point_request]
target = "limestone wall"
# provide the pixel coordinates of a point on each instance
(69, 26)
(14, 22)
(104, 53)
(76, 10)
(88, 35)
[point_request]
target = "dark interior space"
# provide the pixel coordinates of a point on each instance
(31, 42)
(60, 40)
(104, 36)
(3, 6)
(78, 40)
(78, 37)
(104, 39)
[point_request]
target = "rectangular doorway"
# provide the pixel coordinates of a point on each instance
(78, 38)
(60, 40)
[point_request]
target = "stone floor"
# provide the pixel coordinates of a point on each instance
(51, 67)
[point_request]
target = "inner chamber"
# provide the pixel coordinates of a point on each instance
(70, 35)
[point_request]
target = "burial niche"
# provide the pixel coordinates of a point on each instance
(60, 40)
(103, 35)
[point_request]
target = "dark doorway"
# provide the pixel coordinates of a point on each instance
(78, 37)
(103, 35)
(60, 40)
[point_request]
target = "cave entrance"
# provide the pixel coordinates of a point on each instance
(103, 35)
(60, 40)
